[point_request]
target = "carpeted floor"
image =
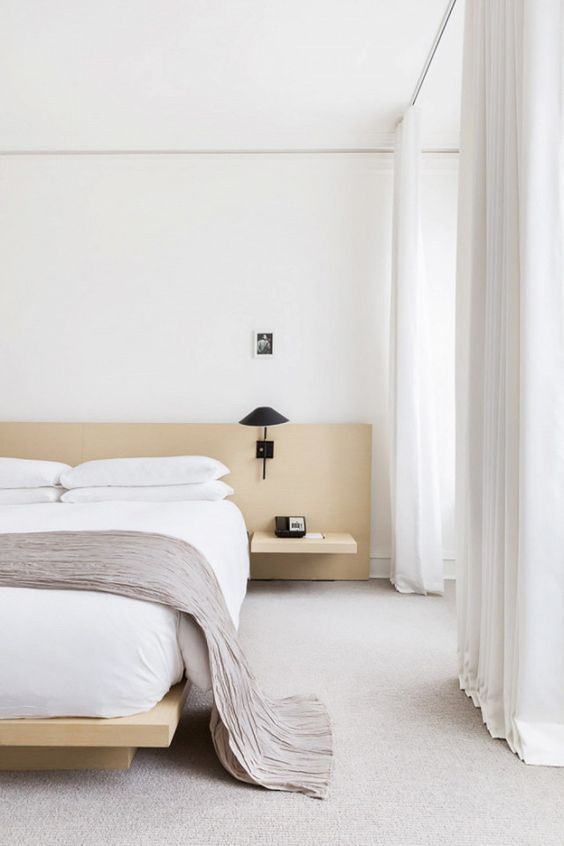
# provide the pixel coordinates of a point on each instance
(413, 763)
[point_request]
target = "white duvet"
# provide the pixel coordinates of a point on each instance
(81, 653)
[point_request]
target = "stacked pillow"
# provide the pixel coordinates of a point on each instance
(170, 479)
(24, 480)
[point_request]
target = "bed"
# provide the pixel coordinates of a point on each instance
(184, 557)
(90, 654)
(89, 676)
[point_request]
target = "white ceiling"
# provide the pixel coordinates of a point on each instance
(222, 74)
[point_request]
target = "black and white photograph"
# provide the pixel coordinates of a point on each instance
(263, 344)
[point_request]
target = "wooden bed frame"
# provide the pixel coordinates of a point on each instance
(88, 743)
(322, 471)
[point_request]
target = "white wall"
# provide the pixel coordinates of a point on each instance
(130, 286)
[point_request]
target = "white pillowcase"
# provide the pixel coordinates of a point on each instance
(28, 473)
(24, 496)
(211, 491)
(137, 472)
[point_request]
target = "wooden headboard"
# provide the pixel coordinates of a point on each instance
(319, 470)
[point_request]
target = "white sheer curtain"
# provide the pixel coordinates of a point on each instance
(510, 374)
(417, 565)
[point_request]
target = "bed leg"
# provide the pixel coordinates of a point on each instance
(20, 758)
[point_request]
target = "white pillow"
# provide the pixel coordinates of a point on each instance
(28, 473)
(21, 496)
(210, 491)
(135, 472)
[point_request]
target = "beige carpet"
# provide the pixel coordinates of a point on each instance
(413, 763)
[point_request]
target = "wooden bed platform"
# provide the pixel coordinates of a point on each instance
(87, 743)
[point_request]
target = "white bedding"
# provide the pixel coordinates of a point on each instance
(82, 653)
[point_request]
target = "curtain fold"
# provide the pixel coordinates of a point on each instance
(417, 565)
(510, 374)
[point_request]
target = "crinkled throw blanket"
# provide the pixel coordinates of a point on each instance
(282, 744)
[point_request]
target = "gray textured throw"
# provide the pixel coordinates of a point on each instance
(280, 744)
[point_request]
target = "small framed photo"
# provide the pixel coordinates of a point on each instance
(263, 344)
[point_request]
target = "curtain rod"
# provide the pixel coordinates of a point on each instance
(227, 152)
(431, 56)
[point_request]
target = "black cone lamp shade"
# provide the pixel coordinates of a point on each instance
(263, 417)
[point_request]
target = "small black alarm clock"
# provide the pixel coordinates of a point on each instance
(290, 527)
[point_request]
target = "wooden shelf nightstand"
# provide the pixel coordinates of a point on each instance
(301, 558)
(331, 543)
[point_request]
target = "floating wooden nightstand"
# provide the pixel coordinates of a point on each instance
(270, 556)
(331, 543)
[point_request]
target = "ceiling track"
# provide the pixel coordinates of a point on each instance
(433, 50)
(227, 152)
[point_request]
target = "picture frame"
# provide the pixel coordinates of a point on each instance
(263, 345)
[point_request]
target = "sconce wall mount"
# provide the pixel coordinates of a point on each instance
(263, 417)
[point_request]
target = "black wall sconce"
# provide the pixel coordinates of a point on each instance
(264, 417)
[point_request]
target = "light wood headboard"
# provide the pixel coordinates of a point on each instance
(322, 471)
